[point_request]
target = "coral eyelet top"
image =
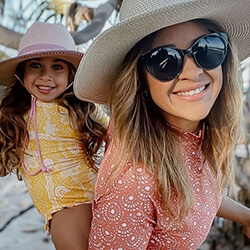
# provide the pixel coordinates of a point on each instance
(128, 213)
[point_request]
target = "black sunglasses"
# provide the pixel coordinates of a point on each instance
(166, 62)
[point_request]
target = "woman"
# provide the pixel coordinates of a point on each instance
(168, 71)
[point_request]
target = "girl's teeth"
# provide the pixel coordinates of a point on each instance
(191, 92)
(44, 87)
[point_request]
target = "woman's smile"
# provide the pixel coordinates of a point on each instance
(188, 98)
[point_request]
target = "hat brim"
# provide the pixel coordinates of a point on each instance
(103, 59)
(8, 67)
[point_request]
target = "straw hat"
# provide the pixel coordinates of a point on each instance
(138, 18)
(41, 40)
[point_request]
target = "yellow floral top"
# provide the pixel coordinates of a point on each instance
(71, 180)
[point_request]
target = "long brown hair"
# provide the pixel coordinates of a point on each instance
(13, 131)
(141, 133)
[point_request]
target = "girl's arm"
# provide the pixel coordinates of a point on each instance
(234, 211)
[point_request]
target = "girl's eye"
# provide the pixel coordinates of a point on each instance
(35, 65)
(57, 67)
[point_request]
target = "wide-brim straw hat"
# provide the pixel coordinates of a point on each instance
(138, 18)
(41, 40)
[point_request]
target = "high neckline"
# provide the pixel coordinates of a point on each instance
(198, 134)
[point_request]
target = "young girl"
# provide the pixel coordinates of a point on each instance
(169, 73)
(48, 137)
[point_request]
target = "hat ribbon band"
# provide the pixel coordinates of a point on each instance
(33, 114)
(42, 47)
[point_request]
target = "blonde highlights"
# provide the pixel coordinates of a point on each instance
(140, 131)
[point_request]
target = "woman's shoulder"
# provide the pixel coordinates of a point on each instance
(130, 178)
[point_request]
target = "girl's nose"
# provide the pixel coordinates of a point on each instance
(190, 70)
(45, 74)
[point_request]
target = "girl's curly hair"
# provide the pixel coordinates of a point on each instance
(13, 131)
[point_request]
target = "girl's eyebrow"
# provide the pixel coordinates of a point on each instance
(36, 59)
(54, 60)
(58, 60)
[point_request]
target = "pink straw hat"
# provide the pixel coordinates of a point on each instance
(41, 40)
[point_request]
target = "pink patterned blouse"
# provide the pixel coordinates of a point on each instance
(128, 212)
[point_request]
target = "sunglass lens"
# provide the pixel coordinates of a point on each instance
(210, 52)
(164, 63)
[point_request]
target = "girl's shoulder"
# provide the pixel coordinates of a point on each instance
(101, 115)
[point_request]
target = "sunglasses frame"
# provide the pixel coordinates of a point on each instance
(145, 57)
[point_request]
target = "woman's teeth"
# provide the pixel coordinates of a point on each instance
(192, 92)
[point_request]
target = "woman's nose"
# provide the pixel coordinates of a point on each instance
(190, 70)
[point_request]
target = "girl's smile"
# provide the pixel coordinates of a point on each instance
(46, 78)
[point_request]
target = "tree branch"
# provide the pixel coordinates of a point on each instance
(9, 38)
(94, 28)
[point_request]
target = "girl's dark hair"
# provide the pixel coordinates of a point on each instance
(13, 131)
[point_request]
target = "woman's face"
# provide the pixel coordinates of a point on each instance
(46, 78)
(188, 98)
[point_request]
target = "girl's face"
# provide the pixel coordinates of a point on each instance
(46, 78)
(188, 98)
